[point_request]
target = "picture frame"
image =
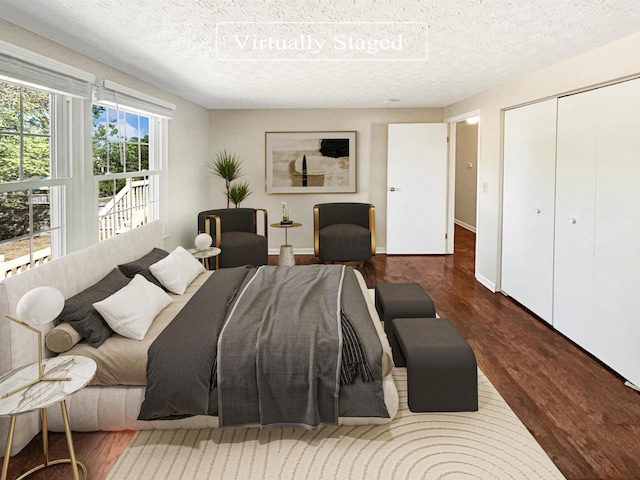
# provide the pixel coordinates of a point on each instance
(311, 162)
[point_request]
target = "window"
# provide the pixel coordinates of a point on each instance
(31, 192)
(129, 147)
(41, 100)
(125, 169)
(48, 190)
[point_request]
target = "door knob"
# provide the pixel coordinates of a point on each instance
(572, 220)
(392, 189)
(536, 210)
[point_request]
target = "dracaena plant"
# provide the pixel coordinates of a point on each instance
(229, 167)
(238, 192)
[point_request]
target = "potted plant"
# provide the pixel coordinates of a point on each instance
(237, 193)
(229, 167)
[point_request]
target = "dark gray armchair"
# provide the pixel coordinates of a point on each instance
(235, 232)
(344, 232)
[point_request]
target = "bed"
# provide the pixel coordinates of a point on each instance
(113, 401)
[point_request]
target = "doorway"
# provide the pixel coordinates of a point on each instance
(466, 173)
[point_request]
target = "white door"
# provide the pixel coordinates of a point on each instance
(528, 206)
(417, 188)
(617, 230)
(597, 274)
(575, 216)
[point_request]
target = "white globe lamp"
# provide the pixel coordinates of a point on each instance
(38, 307)
(203, 241)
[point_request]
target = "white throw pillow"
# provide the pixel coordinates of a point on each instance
(177, 270)
(131, 310)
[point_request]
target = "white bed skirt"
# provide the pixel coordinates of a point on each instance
(116, 408)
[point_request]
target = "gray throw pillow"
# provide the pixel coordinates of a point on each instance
(141, 266)
(79, 312)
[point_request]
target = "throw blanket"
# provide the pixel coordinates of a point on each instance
(180, 360)
(283, 339)
(181, 365)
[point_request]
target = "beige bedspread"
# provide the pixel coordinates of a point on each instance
(123, 361)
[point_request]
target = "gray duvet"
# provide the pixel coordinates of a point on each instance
(265, 347)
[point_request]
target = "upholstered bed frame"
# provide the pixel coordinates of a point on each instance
(70, 274)
(94, 408)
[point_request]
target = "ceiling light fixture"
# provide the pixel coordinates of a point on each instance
(391, 100)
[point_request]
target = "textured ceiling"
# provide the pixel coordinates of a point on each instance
(186, 46)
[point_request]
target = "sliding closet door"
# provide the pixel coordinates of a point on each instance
(575, 217)
(597, 264)
(528, 206)
(617, 233)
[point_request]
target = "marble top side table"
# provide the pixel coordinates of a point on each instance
(74, 372)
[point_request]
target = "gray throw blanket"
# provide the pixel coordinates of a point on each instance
(181, 365)
(180, 361)
(283, 339)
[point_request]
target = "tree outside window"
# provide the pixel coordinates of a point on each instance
(25, 157)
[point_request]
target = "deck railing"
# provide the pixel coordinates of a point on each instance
(23, 263)
(125, 211)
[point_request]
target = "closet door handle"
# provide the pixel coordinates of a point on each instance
(572, 220)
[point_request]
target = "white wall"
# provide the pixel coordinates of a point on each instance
(188, 133)
(613, 61)
(243, 132)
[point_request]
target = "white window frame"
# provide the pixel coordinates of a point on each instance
(71, 89)
(58, 181)
(153, 174)
(125, 99)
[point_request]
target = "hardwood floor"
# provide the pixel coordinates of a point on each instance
(579, 411)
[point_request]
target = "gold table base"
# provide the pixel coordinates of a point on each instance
(55, 462)
(45, 446)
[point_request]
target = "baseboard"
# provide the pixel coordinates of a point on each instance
(309, 251)
(631, 385)
(465, 225)
(296, 251)
(486, 282)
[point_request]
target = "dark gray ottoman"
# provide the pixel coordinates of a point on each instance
(401, 300)
(442, 374)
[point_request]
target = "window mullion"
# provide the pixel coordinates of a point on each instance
(21, 130)
(53, 143)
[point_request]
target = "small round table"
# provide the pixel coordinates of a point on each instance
(205, 254)
(286, 258)
(75, 372)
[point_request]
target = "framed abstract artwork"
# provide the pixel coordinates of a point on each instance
(310, 162)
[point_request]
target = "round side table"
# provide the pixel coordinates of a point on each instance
(286, 258)
(73, 372)
(205, 255)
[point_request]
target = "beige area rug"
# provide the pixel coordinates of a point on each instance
(491, 443)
